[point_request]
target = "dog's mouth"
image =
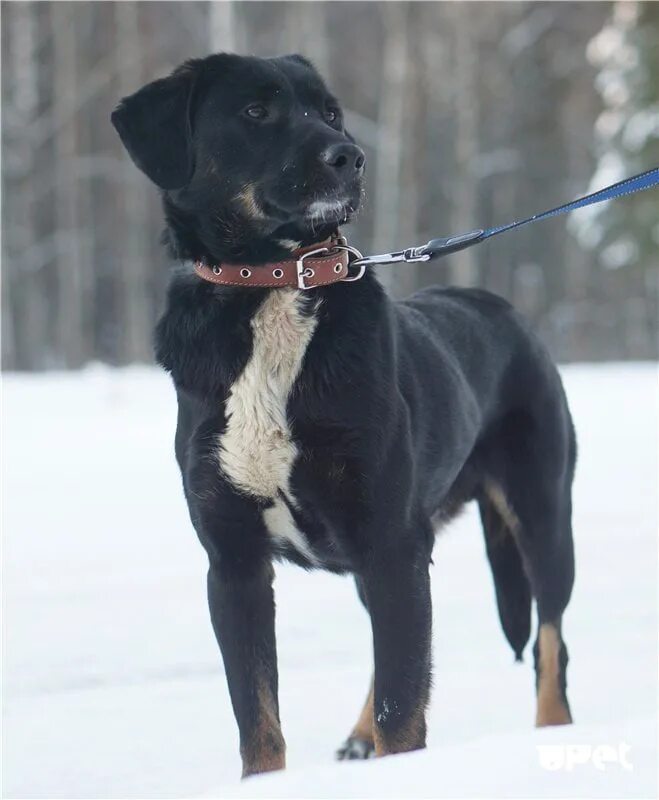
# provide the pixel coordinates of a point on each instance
(315, 213)
(329, 210)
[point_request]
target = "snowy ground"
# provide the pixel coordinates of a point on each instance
(112, 683)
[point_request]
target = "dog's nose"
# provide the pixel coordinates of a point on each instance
(346, 158)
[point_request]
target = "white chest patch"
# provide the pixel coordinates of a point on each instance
(281, 526)
(256, 452)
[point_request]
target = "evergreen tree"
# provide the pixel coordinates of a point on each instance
(625, 233)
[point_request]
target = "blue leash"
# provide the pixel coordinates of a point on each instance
(436, 248)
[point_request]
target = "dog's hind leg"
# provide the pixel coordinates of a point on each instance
(360, 743)
(551, 659)
(511, 584)
(536, 484)
(547, 548)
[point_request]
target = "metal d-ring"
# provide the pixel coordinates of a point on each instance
(362, 267)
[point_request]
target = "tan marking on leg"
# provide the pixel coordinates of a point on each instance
(411, 736)
(250, 204)
(498, 499)
(364, 726)
(551, 706)
(266, 751)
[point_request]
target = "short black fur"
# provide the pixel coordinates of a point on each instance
(402, 411)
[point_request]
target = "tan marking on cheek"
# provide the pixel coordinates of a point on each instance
(411, 736)
(250, 204)
(266, 750)
(551, 706)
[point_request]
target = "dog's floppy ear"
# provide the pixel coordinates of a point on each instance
(155, 127)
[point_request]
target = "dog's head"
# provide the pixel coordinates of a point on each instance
(251, 154)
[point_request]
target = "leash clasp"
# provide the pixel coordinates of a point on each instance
(408, 255)
(412, 254)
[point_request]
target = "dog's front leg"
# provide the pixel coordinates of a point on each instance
(243, 615)
(397, 588)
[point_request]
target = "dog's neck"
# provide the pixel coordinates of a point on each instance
(232, 238)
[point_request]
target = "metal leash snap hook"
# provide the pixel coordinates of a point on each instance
(413, 254)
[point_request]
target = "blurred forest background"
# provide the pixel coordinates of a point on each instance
(471, 114)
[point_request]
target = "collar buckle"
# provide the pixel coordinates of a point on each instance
(306, 272)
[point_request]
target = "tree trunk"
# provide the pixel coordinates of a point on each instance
(133, 251)
(391, 122)
(224, 29)
(70, 271)
(464, 267)
(24, 297)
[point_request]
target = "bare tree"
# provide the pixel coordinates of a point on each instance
(224, 26)
(391, 121)
(465, 64)
(23, 298)
(470, 113)
(71, 330)
(133, 249)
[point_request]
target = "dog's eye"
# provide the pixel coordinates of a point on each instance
(331, 114)
(256, 111)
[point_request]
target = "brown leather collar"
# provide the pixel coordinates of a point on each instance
(317, 265)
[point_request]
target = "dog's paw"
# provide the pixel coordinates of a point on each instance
(354, 748)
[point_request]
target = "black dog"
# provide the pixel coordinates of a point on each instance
(333, 427)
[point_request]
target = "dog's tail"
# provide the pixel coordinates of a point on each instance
(513, 590)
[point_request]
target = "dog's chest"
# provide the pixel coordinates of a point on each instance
(256, 451)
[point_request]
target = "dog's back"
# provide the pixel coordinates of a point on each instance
(468, 365)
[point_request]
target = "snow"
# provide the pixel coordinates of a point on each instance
(113, 685)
